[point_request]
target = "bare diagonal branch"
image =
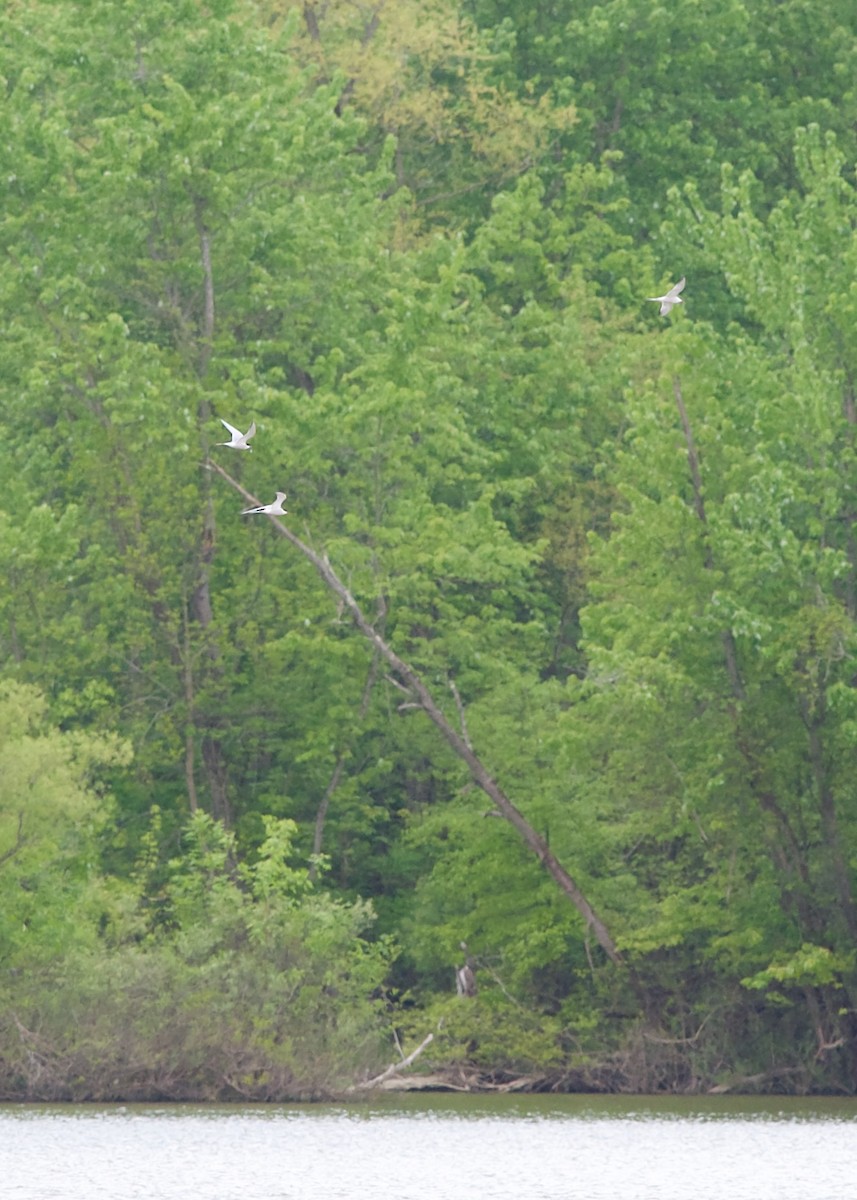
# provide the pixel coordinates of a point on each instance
(408, 676)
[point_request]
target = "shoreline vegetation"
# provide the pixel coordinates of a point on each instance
(530, 723)
(787, 1081)
(42, 1074)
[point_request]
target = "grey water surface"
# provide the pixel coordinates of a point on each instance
(437, 1147)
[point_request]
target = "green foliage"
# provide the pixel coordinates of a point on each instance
(422, 72)
(262, 992)
(679, 89)
(50, 812)
(811, 966)
(414, 247)
(494, 1035)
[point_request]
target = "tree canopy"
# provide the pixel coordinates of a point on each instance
(610, 555)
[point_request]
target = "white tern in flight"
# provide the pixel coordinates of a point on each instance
(672, 297)
(273, 510)
(239, 439)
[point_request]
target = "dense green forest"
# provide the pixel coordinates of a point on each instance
(555, 653)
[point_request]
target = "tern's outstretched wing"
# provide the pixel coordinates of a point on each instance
(235, 432)
(674, 291)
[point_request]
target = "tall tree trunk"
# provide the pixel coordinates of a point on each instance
(785, 850)
(211, 749)
(849, 516)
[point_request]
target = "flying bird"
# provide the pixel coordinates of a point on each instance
(239, 439)
(273, 510)
(672, 297)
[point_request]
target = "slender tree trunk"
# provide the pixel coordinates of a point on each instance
(829, 820)
(730, 654)
(418, 690)
(311, 22)
(211, 749)
(339, 766)
(849, 411)
(785, 850)
(321, 814)
(190, 741)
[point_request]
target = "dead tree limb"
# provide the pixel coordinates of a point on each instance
(408, 676)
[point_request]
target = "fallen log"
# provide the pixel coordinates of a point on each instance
(394, 1068)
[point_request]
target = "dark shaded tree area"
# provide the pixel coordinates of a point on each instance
(610, 555)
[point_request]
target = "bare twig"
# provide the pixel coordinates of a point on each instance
(459, 704)
(501, 985)
(396, 684)
(682, 1041)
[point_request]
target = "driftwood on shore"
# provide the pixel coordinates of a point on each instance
(744, 1083)
(386, 1076)
(455, 1079)
(458, 1081)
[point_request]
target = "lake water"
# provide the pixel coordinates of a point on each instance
(437, 1147)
